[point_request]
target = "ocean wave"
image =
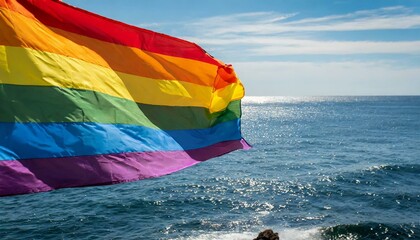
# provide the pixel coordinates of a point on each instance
(403, 168)
(371, 231)
(374, 175)
(339, 232)
(284, 234)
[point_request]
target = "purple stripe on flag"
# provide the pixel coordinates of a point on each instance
(40, 175)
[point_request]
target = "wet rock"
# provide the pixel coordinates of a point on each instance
(267, 234)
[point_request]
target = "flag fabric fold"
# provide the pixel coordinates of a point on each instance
(86, 100)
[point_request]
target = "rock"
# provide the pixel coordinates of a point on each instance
(267, 234)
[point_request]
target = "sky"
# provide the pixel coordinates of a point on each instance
(293, 47)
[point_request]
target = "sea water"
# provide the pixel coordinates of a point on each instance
(320, 168)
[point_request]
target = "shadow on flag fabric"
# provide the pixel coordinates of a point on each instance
(86, 100)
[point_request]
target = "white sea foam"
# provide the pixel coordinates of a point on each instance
(300, 234)
(222, 235)
(285, 234)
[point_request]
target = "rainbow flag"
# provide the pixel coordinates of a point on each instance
(86, 100)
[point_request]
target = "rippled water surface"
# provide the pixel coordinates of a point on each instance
(320, 168)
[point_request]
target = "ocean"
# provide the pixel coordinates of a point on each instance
(320, 168)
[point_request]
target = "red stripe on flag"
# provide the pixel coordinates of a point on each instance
(63, 16)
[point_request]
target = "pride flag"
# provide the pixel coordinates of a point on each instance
(86, 100)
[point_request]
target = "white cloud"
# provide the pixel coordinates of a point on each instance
(269, 46)
(388, 12)
(271, 34)
(275, 34)
(218, 24)
(297, 46)
(266, 23)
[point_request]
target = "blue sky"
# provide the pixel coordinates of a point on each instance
(295, 47)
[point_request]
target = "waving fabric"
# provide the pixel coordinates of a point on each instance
(86, 100)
